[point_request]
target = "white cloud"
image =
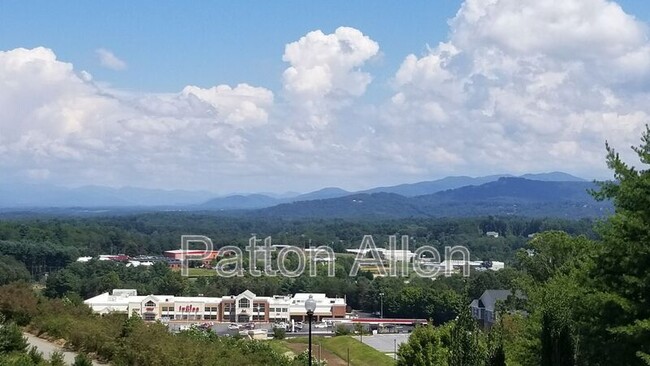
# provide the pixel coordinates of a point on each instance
(241, 104)
(109, 60)
(327, 64)
(519, 86)
(527, 86)
(325, 75)
(54, 116)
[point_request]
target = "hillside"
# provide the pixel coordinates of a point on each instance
(506, 196)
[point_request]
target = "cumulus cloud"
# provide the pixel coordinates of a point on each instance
(54, 116)
(109, 60)
(518, 86)
(241, 104)
(325, 74)
(528, 85)
(328, 64)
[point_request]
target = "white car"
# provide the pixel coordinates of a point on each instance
(280, 325)
(233, 326)
(320, 325)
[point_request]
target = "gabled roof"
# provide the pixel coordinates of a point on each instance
(247, 294)
(490, 298)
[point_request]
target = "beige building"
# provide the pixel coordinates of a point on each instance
(243, 308)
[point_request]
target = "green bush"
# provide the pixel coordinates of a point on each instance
(279, 333)
(342, 330)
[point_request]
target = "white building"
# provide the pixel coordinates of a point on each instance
(385, 254)
(243, 308)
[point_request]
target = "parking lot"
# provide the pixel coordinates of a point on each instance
(227, 329)
(385, 343)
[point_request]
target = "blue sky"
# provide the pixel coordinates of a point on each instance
(295, 95)
(170, 44)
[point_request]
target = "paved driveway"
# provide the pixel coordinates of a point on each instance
(48, 348)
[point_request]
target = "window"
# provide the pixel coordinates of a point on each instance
(271, 310)
(212, 308)
(258, 318)
(210, 317)
(228, 307)
(244, 303)
(284, 310)
(150, 304)
(149, 317)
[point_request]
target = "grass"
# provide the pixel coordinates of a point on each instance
(279, 346)
(360, 354)
(200, 272)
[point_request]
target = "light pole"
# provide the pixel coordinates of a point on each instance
(310, 306)
(395, 349)
(381, 299)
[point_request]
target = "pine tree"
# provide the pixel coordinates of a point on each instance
(11, 339)
(465, 347)
(618, 321)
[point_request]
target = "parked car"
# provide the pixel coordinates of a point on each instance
(280, 325)
(250, 326)
(233, 326)
(320, 325)
(298, 325)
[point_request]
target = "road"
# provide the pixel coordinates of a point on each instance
(48, 348)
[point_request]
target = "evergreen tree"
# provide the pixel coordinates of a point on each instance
(11, 339)
(466, 348)
(56, 359)
(557, 341)
(82, 359)
(620, 332)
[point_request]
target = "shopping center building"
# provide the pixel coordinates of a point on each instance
(243, 308)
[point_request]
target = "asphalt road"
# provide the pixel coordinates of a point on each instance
(48, 348)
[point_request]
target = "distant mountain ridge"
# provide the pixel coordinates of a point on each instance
(506, 196)
(34, 195)
(406, 190)
(429, 187)
(41, 195)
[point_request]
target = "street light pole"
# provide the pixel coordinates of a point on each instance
(395, 349)
(381, 299)
(310, 306)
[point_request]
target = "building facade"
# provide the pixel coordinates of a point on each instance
(179, 254)
(484, 308)
(243, 308)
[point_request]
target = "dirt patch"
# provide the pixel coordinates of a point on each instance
(331, 358)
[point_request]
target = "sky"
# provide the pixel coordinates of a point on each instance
(250, 96)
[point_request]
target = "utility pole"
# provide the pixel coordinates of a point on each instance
(395, 349)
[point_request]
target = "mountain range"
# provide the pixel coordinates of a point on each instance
(531, 194)
(505, 196)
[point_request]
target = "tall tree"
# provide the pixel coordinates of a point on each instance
(425, 347)
(11, 338)
(466, 347)
(621, 332)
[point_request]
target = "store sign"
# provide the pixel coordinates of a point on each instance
(188, 309)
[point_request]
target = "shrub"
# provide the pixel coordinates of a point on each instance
(279, 333)
(342, 330)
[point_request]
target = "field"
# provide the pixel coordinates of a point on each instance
(335, 351)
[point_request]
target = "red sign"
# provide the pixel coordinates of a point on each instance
(188, 309)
